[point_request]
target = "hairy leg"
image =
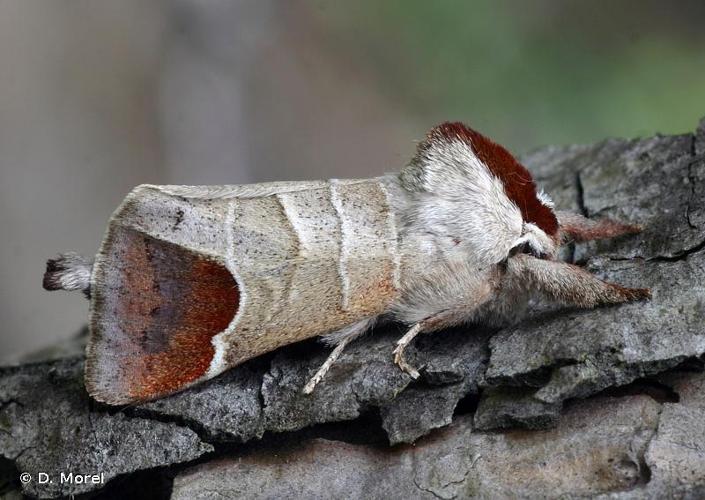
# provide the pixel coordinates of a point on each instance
(426, 325)
(340, 339)
(575, 227)
(457, 312)
(568, 284)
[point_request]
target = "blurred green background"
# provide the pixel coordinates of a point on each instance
(97, 97)
(535, 72)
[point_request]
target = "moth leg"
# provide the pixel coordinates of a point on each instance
(432, 323)
(402, 343)
(568, 284)
(340, 339)
(457, 302)
(311, 384)
(575, 227)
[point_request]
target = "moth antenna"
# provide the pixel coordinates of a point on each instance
(69, 271)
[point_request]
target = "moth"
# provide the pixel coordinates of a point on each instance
(193, 280)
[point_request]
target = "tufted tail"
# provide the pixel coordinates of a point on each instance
(69, 271)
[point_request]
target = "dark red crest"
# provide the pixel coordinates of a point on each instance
(517, 180)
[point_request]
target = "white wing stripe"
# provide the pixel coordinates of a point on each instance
(345, 243)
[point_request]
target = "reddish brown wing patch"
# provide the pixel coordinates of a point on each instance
(517, 180)
(157, 308)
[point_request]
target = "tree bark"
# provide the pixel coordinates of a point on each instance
(605, 401)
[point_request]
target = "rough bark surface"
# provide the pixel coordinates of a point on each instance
(567, 403)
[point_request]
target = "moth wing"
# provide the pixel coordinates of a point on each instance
(326, 258)
(192, 281)
(160, 291)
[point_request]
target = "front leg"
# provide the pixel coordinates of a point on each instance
(425, 325)
(453, 305)
(568, 284)
(575, 227)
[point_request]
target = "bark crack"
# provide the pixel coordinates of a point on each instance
(446, 484)
(647, 474)
(181, 421)
(580, 194)
(416, 483)
(682, 255)
(692, 181)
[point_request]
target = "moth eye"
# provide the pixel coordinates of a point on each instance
(522, 248)
(527, 249)
(536, 253)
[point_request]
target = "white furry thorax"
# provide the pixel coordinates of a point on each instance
(457, 205)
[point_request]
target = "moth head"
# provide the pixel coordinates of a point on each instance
(482, 194)
(534, 241)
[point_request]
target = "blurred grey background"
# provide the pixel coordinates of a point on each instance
(96, 97)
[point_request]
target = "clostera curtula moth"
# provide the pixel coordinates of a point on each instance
(193, 280)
